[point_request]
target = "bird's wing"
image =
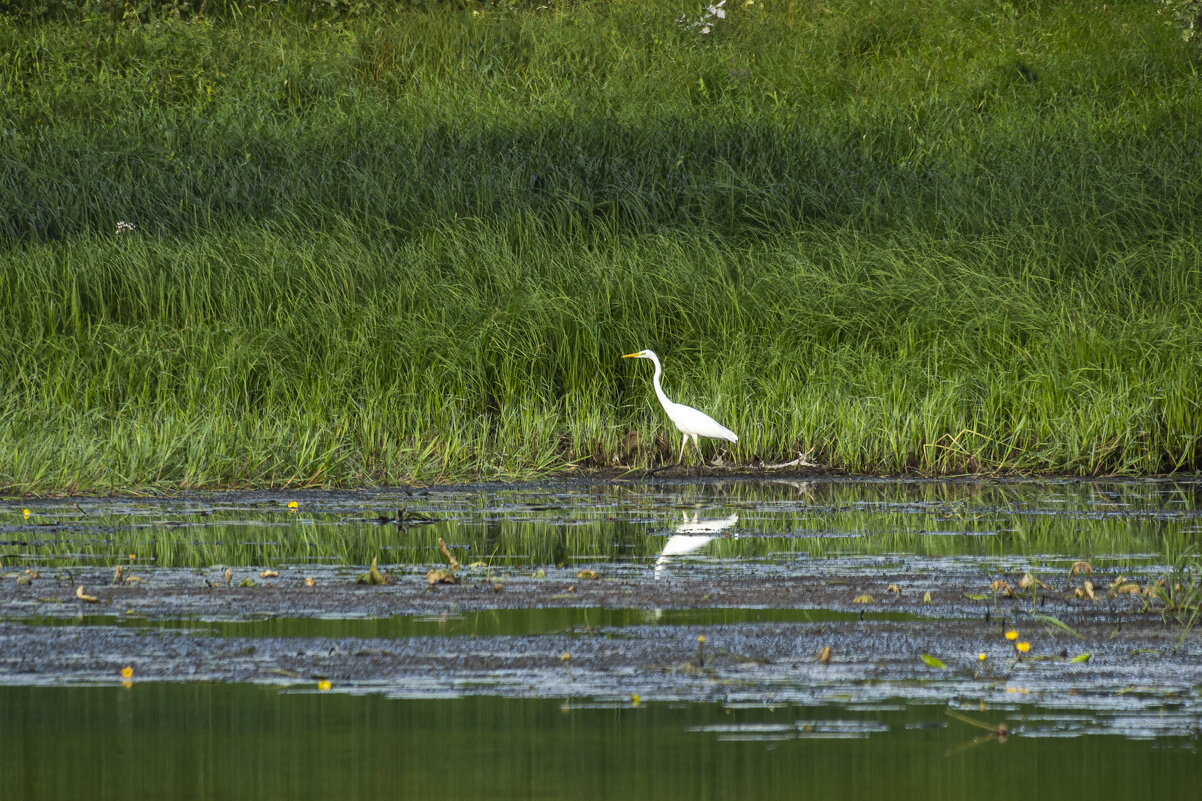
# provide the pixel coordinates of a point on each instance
(692, 421)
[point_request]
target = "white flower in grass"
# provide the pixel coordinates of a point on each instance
(124, 227)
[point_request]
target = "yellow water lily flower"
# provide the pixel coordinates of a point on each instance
(127, 672)
(1022, 647)
(324, 685)
(1012, 634)
(981, 656)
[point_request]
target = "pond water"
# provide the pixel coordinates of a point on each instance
(241, 742)
(638, 639)
(628, 521)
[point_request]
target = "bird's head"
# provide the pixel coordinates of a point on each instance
(642, 354)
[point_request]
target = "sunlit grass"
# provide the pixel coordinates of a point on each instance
(941, 237)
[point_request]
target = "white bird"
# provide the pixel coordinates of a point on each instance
(688, 421)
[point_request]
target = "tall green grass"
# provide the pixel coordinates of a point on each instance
(410, 245)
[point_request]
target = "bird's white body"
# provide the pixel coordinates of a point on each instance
(688, 421)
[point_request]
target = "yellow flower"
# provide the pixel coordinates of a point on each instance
(981, 656)
(1022, 647)
(27, 514)
(324, 685)
(1012, 634)
(701, 638)
(127, 672)
(293, 506)
(635, 700)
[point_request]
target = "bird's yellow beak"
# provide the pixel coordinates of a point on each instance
(630, 356)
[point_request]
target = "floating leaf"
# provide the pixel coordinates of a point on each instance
(118, 574)
(1028, 581)
(373, 575)
(824, 655)
(1056, 623)
(1080, 567)
(229, 576)
(540, 574)
(1085, 591)
(933, 661)
(446, 554)
(893, 588)
(587, 574)
(81, 595)
(270, 574)
(926, 597)
(1130, 588)
(310, 581)
(441, 577)
(976, 596)
(247, 582)
(1081, 657)
(1002, 588)
(863, 599)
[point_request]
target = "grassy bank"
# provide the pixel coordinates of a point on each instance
(410, 245)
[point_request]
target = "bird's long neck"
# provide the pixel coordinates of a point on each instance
(659, 390)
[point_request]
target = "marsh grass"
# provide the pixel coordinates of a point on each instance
(938, 237)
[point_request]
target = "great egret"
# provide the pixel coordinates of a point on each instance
(688, 421)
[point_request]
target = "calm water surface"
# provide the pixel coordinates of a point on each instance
(240, 741)
(245, 742)
(629, 522)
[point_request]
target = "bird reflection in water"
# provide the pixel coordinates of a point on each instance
(692, 535)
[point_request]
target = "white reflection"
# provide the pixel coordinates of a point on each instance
(692, 535)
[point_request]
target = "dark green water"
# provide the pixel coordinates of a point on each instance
(171, 741)
(490, 623)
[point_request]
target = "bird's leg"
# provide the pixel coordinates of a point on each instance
(700, 455)
(684, 441)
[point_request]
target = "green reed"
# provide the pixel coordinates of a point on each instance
(410, 246)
